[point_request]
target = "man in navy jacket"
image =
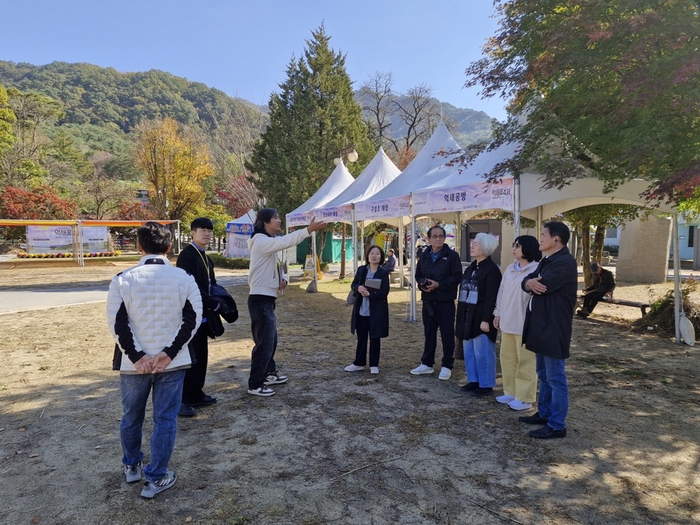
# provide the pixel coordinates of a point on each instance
(438, 274)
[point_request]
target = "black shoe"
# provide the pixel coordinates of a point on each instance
(534, 419)
(481, 392)
(583, 313)
(547, 432)
(204, 401)
(469, 387)
(186, 410)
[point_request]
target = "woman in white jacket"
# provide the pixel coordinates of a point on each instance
(517, 363)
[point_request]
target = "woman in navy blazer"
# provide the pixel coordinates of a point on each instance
(370, 311)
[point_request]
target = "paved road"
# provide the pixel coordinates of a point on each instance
(39, 299)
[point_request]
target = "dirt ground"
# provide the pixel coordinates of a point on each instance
(337, 448)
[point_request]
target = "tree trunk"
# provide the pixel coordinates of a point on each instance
(599, 242)
(586, 252)
(320, 246)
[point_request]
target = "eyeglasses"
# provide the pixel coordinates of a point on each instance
(437, 236)
(516, 245)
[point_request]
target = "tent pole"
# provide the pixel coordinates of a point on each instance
(458, 231)
(412, 317)
(677, 297)
(516, 207)
(538, 227)
(354, 241)
(362, 243)
(399, 256)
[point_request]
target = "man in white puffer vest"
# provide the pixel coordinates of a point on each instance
(153, 310)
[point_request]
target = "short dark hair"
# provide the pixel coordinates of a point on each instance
(558, 229)
(154, 238)
(381, 261)
(594, 267)
(202, 222)
(530, 247)
(265, 215)
(436, 226)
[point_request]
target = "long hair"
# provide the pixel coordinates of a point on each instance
(264, 215)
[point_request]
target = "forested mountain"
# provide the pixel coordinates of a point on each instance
(102, 105)
(81, 131)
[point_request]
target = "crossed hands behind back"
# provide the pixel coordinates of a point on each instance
(152, 364)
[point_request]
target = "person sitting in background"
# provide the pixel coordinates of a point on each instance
(390, 264)
(603, 284)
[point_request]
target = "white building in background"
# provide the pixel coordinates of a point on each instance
(688, 236)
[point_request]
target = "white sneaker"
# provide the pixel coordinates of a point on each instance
(151, 488)
(505, 399)
(422, 369)
(354, 368)
(373, 369)
(445, 373)
(519, 405)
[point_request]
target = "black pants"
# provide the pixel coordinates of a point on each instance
(194, 377)
(591, 299)
(263, 325)
(442, 316)
(362, 330)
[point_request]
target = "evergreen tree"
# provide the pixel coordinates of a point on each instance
(313, 117)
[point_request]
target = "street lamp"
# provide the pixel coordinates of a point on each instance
(348, 154)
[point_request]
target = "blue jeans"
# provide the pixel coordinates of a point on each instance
(167, 394)
(263, 325)
(553, 402)
(442, 316)
(480, 360)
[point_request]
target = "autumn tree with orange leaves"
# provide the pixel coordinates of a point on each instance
(175, 164)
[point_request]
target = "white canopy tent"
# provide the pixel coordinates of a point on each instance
(238, 232)
(378, 173)
(339, 179)
(393, 203)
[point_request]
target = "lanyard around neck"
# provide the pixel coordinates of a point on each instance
(206, 266)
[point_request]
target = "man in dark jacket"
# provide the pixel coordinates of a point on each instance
(194, 260)
(548, 326)
(603, 284)
(438, 275)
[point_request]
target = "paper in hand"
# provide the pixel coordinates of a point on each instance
(373, 283)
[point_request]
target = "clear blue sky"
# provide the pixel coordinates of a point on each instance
(243, 47)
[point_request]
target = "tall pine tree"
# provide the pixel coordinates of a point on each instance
(313, 117)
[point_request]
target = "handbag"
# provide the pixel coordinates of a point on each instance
(350, 298)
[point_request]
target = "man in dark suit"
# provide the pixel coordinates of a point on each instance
(194, 260)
